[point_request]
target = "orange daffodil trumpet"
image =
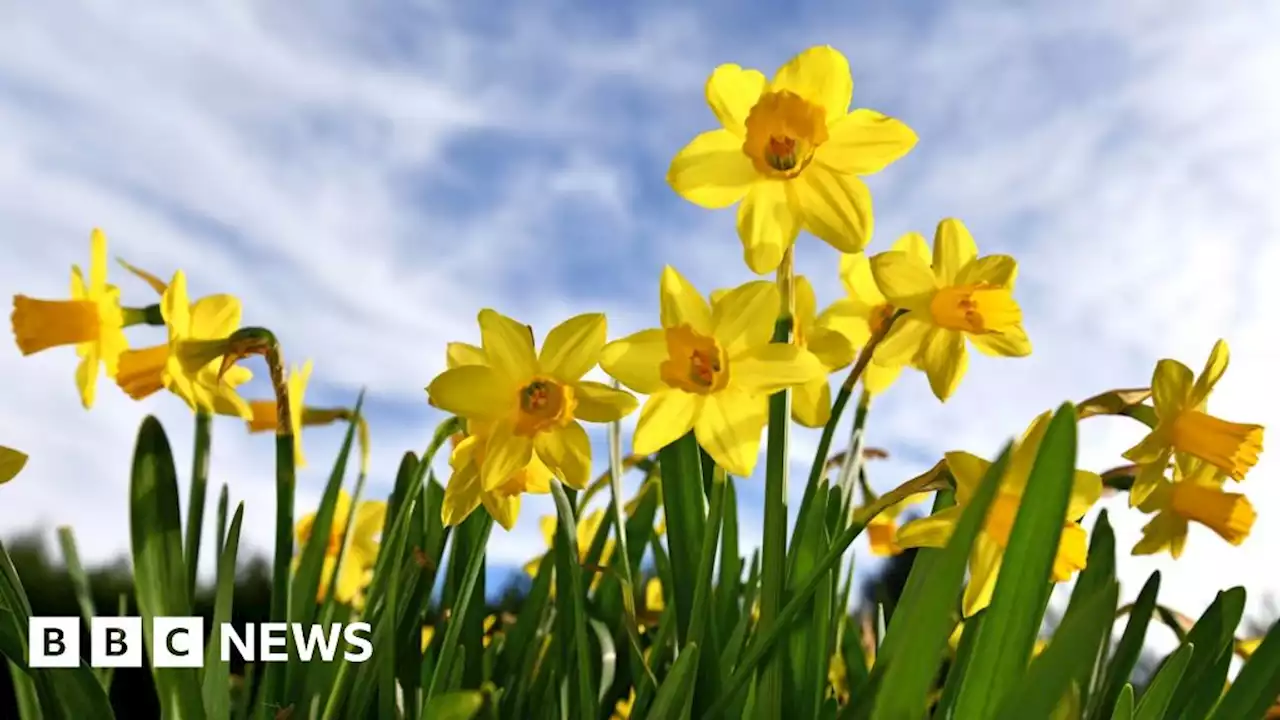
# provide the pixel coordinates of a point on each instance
(791, 152)
(710, 368)
(1194, 495)
(1185, 426)
(988, 551)
(959, 296)
(521, 404)
(91, 320)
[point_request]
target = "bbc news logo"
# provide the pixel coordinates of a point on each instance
(54, 642)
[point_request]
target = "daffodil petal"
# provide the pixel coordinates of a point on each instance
(836, 207)
(865, 142)
(215, 317)
(1171, 387)
(811, 403)
(680, 303)
(945, 361)
(832, 348)
(566, 452)
(729, 427)
(505, 509)
(769, 368)
(1214, 368)
(538, 477)
(508, 345)
(768, 222)
(859, 283)
(932, 531)
(506, 453)
(1165, 531)
(458, 354)
(634, 360)
(848, 317)
(1147, 480)
(806, 302)
(1086, 488)
(87, 378)
(175, 307)
(877, 378)
(600, 403)
(666, 417)
(905, 281)
(712, 171)
(573, 347)
(473, 391)
(1073, 550)
(968, 470)
(371, 516)
(903, 342)
(745, 317)
(1009, 342)
(953, 248)
(821, 76)
(11, 463)
(731, 92)
(97, 261)
(996, 270)
(984, 567)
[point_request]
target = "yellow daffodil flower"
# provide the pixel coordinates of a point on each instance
(988, 551)
(11, 463)
(263, 412)
(1185, 426)
(791, 152)
(91, 320)
(588, 526)
(954, 641)
(490, 621)
(532, 402)
(654, 600)
(362, 553)
(865, 310)
(710, 370)
(465, 492)
(1247, 647)
(882, 528)
(428, 633)
(188, 364)
(960, 296)
(1194, 495)
(622, 708)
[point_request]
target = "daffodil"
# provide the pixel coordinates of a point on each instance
(588, 526)
(533, 401)
(654, 600)
(1185, 426)
(1246, 647)
(622, 708)
(91, 320)
(428, 633)
(190, 362)
(11, 463)
(864, 312)
(1194, 495)
(988, 552)
(710, 370)
(791, 151)
(362, 552)
(882, 528)
(838, 679)
(960, 296)
(465, 492)
(264, 417)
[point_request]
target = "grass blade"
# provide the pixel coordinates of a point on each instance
(217, 674)
(1159, 693)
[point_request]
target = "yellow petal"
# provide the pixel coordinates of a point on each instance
(537, 477)
(811, 403)
(836, 207)
(729, 427)
(600, 403)
(1086, 488)
(865, 142)
(953, 248)
(855, 274)
(505, 454)
(768, 222)
(154, 282)
(903, 343)
(458, 354)
(682, 304)
(944, 360)
(806, 302)
(968, 470)
(745, 317)
(547, 526)
(849, 318)
(932, 531)
(566, 452)
(832, 348)
(215, 317)
(905, 281)
(508, 345)
(997, 270)
(1165, 531)
(11, 463)
(1072, 554)
(1009, 342)
(87, 378)
(666, 417)
(712, 171)
(877, 378)
(634, 360)
(821, 76)
(97, 261)
(1171, 386)
(731, 92)
(370, 517)
(1214, 368)
(769, 368)
(505, 509)
(984, 567)
(473, 391)
(175, 307)
(573, 347)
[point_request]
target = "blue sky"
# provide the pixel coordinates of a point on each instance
(367, 176)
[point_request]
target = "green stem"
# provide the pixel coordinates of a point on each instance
(619, 516)
(462, 601)
(195, 500)
(680, 470)
(149, 315)
(707, 686)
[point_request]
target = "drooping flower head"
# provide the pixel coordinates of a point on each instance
(1185, 426)
(362, 552)
(989, 547)
(465, 492)
(1194, 495)
(264, 414)
(960, 296)
(710, 369)
(91, 320)
(531, 402)
(791, 151)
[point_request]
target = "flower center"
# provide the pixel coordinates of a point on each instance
(880, 316)
(1231, 447)
(695, 363)
(544, 403)
(42, 324)
(980, 309)
(783, 130)
(1231, 515)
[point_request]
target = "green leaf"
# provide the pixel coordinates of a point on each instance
(160, 577)
(272, 694)
(1213, 636)
(217, 674)
(220, 537)
(1257, 685)
(1022, 589)
(676, 691)
(1160, 690)
(771, 685)
(1099, 571)
(449, 647)
(196, 498)
(1127, 650)
(921, 570)
(958, 667)
(701, 625)
(728, 590)
(1124, 704)
(461, 705)
(924, 626)
(1073, 649)
(682, 500)
(80, 586)
(570, 597)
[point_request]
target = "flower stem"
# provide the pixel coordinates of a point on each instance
(195, 501)
(149, 315)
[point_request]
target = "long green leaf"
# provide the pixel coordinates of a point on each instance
(1124, 704)
(571, 603)
(271, 698)
(1159, 693)
(449, 647)
(1099, 571)
(1127, 650)
(958, 667)
(217, 674)
(1257, 685)
(676, 690)
(700, 626)
(1022, 589)
(196, 498)
(80, 586)
(1212, 635)
(682, 500)
(771, 685)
